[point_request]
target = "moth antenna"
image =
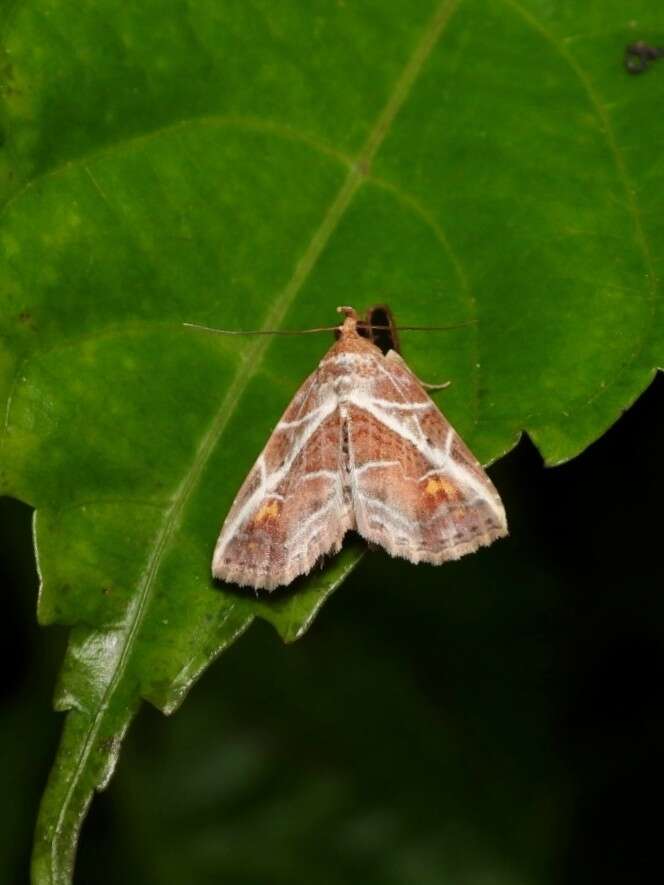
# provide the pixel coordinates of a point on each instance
(212, 331)
(431, 328)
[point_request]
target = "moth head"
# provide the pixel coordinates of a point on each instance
(348, 312)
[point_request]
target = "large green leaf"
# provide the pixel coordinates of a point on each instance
(254, 165)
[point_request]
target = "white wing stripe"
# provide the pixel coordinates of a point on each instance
(318, 516)
(371, 465)
(408, 407)
(305, 419)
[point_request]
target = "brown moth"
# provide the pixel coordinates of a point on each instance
(361, 446)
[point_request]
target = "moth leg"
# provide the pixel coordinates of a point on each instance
(427, 386)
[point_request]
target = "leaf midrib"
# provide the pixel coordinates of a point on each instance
(255, 353)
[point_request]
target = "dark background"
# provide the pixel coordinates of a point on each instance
(496, 720)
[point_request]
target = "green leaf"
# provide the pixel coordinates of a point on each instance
(253, 166)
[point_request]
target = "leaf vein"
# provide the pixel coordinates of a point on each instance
(632, 206)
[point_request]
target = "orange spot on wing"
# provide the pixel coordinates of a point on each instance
(441, 486)
(268, 511)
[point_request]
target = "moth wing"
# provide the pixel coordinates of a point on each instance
(417, 489)
(290, 509)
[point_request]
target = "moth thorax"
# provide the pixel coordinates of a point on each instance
(343, 386)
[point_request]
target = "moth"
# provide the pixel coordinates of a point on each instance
(360, 447)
